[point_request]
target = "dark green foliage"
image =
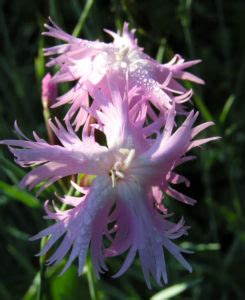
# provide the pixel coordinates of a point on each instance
(210, 30)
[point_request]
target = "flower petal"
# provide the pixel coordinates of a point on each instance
(149, 234)
(54, 162)
(79, 226)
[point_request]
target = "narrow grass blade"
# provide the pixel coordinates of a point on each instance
(226, 109)
(83, 17)
(175, 290)
(17, 194)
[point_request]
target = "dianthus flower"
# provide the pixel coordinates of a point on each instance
(85, 61)
(123, 204)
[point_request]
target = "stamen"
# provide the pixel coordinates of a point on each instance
(129, 159)
(113, 179)
(117, 172)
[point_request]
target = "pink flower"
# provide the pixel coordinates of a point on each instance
(131, 171)
(88, 62)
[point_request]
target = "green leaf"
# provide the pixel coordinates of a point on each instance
(175, 290)
(15, 232)
(201, 247)
(40, 61)
(69, 286)
(161, 50)
(17, 194)
(226, 109)
(32, 292)
(6, 164)
(203, 108)
(83, 17)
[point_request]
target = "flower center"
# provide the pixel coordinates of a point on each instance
(126, 56)
(121, 165)
(122, 53)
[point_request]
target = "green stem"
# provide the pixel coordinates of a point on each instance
(42, 286)
(93, 290)
(83, 17)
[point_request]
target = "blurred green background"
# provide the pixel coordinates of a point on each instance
(212, 30)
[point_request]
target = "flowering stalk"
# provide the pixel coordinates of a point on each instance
(93, 289)
(42, 259)
(134, 107)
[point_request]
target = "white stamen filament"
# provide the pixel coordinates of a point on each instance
(128, 159)
(117, 172)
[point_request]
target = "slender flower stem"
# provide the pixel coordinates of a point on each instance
(93, 290)
(42, 286)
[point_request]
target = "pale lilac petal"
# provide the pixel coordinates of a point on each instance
(196, 130)
(198, 143)
(158, 197)
(177, 179)
(54, 162)
(168, 148)
(180, 197)
(177, 65)
(150, 234)
(79, 226)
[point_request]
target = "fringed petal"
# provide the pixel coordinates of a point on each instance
(80, 226)
(150, 234)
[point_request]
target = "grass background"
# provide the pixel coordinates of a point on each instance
(210, 30)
